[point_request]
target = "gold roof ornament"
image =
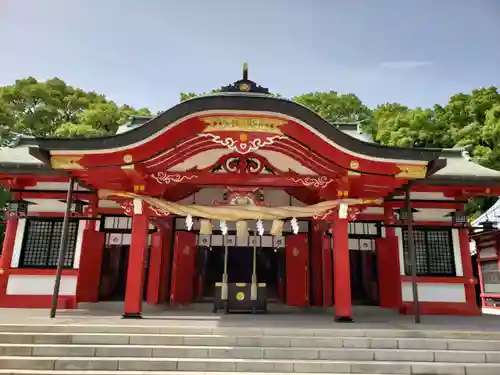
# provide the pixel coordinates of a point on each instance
(245, 84)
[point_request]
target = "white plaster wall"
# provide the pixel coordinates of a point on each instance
(459, 270)
(199, 161)
(399, 234)
(121, 239)
(432, 214)
(40, 285)
(272, 197)
(361, 244)
(78, 244)
(434, 292)
(18, 243)
(180, 224)
(205, 197)
(103, 203)
(264, 241)
(456, 251)
(491, 288)
(488, 252)
(58, 186)
(426, 195)
(285, 163)
(373, 210)
(47, 205)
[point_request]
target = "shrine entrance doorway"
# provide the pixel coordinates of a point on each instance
(269, 263)
(240, 261)
(363, 237)
(115, 258)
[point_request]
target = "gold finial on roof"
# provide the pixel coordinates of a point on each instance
(245, 71)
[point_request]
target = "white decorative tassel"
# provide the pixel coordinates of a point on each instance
(223, 227)
(260, 227)
(295, 225)
(189, 222)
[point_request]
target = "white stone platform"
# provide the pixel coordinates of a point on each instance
(200, 315)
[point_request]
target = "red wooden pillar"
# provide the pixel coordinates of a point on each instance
(136, 265)
(7, 251)
(341, 271)
(159, 257)
(89, 271)
(470, 291)
(389, 275)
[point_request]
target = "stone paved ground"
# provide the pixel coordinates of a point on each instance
(109, 314)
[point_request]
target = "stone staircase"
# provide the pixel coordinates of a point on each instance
(126, 350)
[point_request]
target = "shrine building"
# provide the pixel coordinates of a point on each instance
(244, 200)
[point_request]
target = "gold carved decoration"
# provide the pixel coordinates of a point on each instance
(412, 171)
(244, 87)
(343, 193)
(354, 164)
(139, 188)
(127, 158)
(377, 201)
(65, 162)
(243, 124)
(240, 296)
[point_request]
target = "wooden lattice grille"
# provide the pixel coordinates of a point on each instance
(434, 252)
(41, 243)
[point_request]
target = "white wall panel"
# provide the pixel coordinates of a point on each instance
(434, 292)
(108, 204)
(399, 234)
(18, 243)
(78, 244)
(459, 270)
(488, 252)
(40, 285)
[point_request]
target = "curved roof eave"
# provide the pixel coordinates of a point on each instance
(242, 103)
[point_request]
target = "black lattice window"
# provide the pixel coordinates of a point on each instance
(434, 252)
(42, 238)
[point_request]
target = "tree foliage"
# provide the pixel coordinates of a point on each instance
(54, 108)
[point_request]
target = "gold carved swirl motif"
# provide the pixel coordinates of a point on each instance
(243, 124)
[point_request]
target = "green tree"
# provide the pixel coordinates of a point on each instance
(335, 107)
(52, 107)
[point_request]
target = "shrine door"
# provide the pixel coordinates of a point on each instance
(297, 270)
(183, 268)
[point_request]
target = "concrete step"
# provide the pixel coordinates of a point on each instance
(245, 341)
(90, 372)
(245, 365)
(155, 351)
(246, 331)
